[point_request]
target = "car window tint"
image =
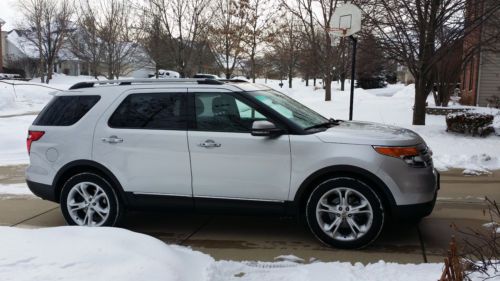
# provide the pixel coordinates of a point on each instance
(151, 111)
(222, 112)
(65, 110)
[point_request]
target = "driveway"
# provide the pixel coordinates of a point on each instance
(263, 238)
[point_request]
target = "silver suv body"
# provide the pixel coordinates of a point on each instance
(100, 149)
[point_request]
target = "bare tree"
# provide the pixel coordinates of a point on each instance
(183, 23)
(287, 45)
(227, 33)
(409, 31)
(85, 42)
(46, 24)
(261, 16)
(154, 41)
(316, 16)
(116, 33)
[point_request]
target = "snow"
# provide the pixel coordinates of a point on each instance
(494, 226)
(290, 258)
(392, 105)
(14, 130)
(16, 190)
(80, 253)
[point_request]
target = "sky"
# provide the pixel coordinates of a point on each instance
(9, 13)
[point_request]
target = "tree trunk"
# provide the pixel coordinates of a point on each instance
(252, 59)
(314, 81)
(41, 70)
(420, 99)
(290, 78)
(342, 82)
(50, 69)
(307, 80)
(328, 87)
(110, 72)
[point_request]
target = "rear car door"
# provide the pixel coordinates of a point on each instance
(142, 139)
(227, 162)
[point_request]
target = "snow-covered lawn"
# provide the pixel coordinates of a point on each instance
(81, 253)
(391, 105)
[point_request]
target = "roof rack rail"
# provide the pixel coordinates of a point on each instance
(234, 80)
(90, 84)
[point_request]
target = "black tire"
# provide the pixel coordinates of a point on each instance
(116, 209)
(333, 186)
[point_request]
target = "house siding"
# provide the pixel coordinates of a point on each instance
(489, 80)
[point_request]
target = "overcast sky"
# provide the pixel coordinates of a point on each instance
(9, 13)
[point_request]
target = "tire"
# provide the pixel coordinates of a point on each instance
(88, 199)
(354, 224)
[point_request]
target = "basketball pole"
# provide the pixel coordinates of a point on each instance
(353, 73)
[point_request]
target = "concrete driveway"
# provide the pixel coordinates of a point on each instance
(264, 238)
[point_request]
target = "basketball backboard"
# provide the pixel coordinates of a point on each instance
(346, 20)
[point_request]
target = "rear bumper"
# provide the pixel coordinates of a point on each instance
(41, 190)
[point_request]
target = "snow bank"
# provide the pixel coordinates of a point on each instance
(81, 253)
(18, 97)
(320, 271)
(16, 189)
(14, 131)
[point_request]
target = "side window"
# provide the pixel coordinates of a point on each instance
(65, 110)
(222, 112)
(166, 111)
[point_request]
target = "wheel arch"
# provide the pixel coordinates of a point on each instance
(377, 185)
(80, 166)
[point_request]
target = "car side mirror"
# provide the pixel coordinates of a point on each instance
(265, 129)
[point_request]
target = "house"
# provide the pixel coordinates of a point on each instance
(481, 75)
(404, 75)
(21, 54)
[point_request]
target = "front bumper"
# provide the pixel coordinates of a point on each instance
(43, 191)
(417, 211)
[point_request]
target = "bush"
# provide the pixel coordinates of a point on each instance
(470, 123)
(371, 82)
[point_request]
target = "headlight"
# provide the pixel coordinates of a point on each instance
(409, 154)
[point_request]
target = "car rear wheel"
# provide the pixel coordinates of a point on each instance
(88, 199)
(345, 213)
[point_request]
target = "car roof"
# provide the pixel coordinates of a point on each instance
(119, 86)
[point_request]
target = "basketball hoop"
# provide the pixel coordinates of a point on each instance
(337, 32)
(346, 21)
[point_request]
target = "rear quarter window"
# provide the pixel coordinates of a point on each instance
(65, 110)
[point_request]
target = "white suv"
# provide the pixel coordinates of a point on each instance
(105, 147)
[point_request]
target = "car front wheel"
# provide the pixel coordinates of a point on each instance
(345, 213)
(87, 199)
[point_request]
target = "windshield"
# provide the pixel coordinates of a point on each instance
(289, 108)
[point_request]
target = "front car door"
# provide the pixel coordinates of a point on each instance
(142, 139)
(227, 162)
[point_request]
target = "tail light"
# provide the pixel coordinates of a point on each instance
(33, 136)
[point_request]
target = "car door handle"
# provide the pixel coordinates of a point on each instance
(112, 139)
(209, 144)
